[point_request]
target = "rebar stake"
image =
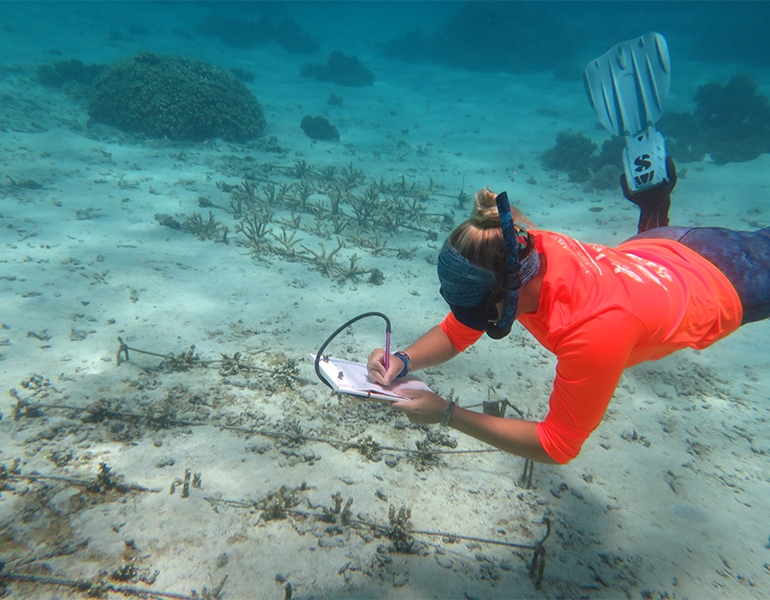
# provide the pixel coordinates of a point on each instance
(123, 349)
(525, 480)
(537, 568)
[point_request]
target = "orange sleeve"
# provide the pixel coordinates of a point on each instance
(591, 358)
(460, 335)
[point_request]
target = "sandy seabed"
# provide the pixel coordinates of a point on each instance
(227, 470)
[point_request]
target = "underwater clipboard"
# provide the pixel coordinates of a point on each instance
(348, 377)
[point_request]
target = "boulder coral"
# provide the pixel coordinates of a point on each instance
(319, 128)
(340, 69)
(572, 154)
(731, 123)
(174, 97)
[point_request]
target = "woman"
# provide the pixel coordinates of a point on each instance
(598, 309)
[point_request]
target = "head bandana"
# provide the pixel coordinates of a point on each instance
(467, 288)
(462, 283)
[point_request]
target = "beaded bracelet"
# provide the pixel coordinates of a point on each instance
(407, 362)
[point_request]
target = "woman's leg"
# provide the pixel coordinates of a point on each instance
(667, 233)
(744, 257)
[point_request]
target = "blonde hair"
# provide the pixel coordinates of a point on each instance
(480, 238)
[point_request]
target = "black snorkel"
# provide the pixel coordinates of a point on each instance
(502, 328)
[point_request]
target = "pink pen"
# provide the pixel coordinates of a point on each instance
(387, 351)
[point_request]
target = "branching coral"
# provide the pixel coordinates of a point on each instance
(365, 205)
(254, 228)
(301, 170)
(380, 207)
(276, 504)
(243, 198)
(403, 540)
(338, 513)
(352, 272)
(184, 361)
(351, 177)
(339, 223)
(287, 242)
(323, 262)
(207, 229)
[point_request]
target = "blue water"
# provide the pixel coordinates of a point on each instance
(464, 95)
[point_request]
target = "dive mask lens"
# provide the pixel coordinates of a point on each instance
(476, 317)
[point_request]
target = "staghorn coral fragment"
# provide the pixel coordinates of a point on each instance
(204, 229)
(254, 228)
(184, 361)
(323, 262)
(352, 272)
(288, 242)
(402, 539)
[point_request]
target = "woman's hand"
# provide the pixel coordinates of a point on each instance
(511, 435)
(375, 367)
(423, 407)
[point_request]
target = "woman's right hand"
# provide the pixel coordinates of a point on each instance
(376, 367)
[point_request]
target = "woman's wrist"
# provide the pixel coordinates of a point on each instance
(406, 360)
(448, 411)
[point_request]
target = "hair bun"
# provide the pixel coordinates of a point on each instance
(484, 213)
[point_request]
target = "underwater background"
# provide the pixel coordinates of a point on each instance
(194, 195)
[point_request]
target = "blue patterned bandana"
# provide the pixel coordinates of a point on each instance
(462, 283)
(468, 288)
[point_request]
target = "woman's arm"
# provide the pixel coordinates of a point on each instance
(591, 360)
(433, 348)
(511, 435)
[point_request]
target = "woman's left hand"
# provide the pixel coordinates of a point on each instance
(423, 407)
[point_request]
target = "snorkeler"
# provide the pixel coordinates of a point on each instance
(598, 309)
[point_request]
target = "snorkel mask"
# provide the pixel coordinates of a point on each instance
(470, 290)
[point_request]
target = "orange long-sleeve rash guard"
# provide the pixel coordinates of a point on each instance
(602, 310)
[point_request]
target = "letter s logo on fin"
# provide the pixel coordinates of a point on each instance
(643, 163)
